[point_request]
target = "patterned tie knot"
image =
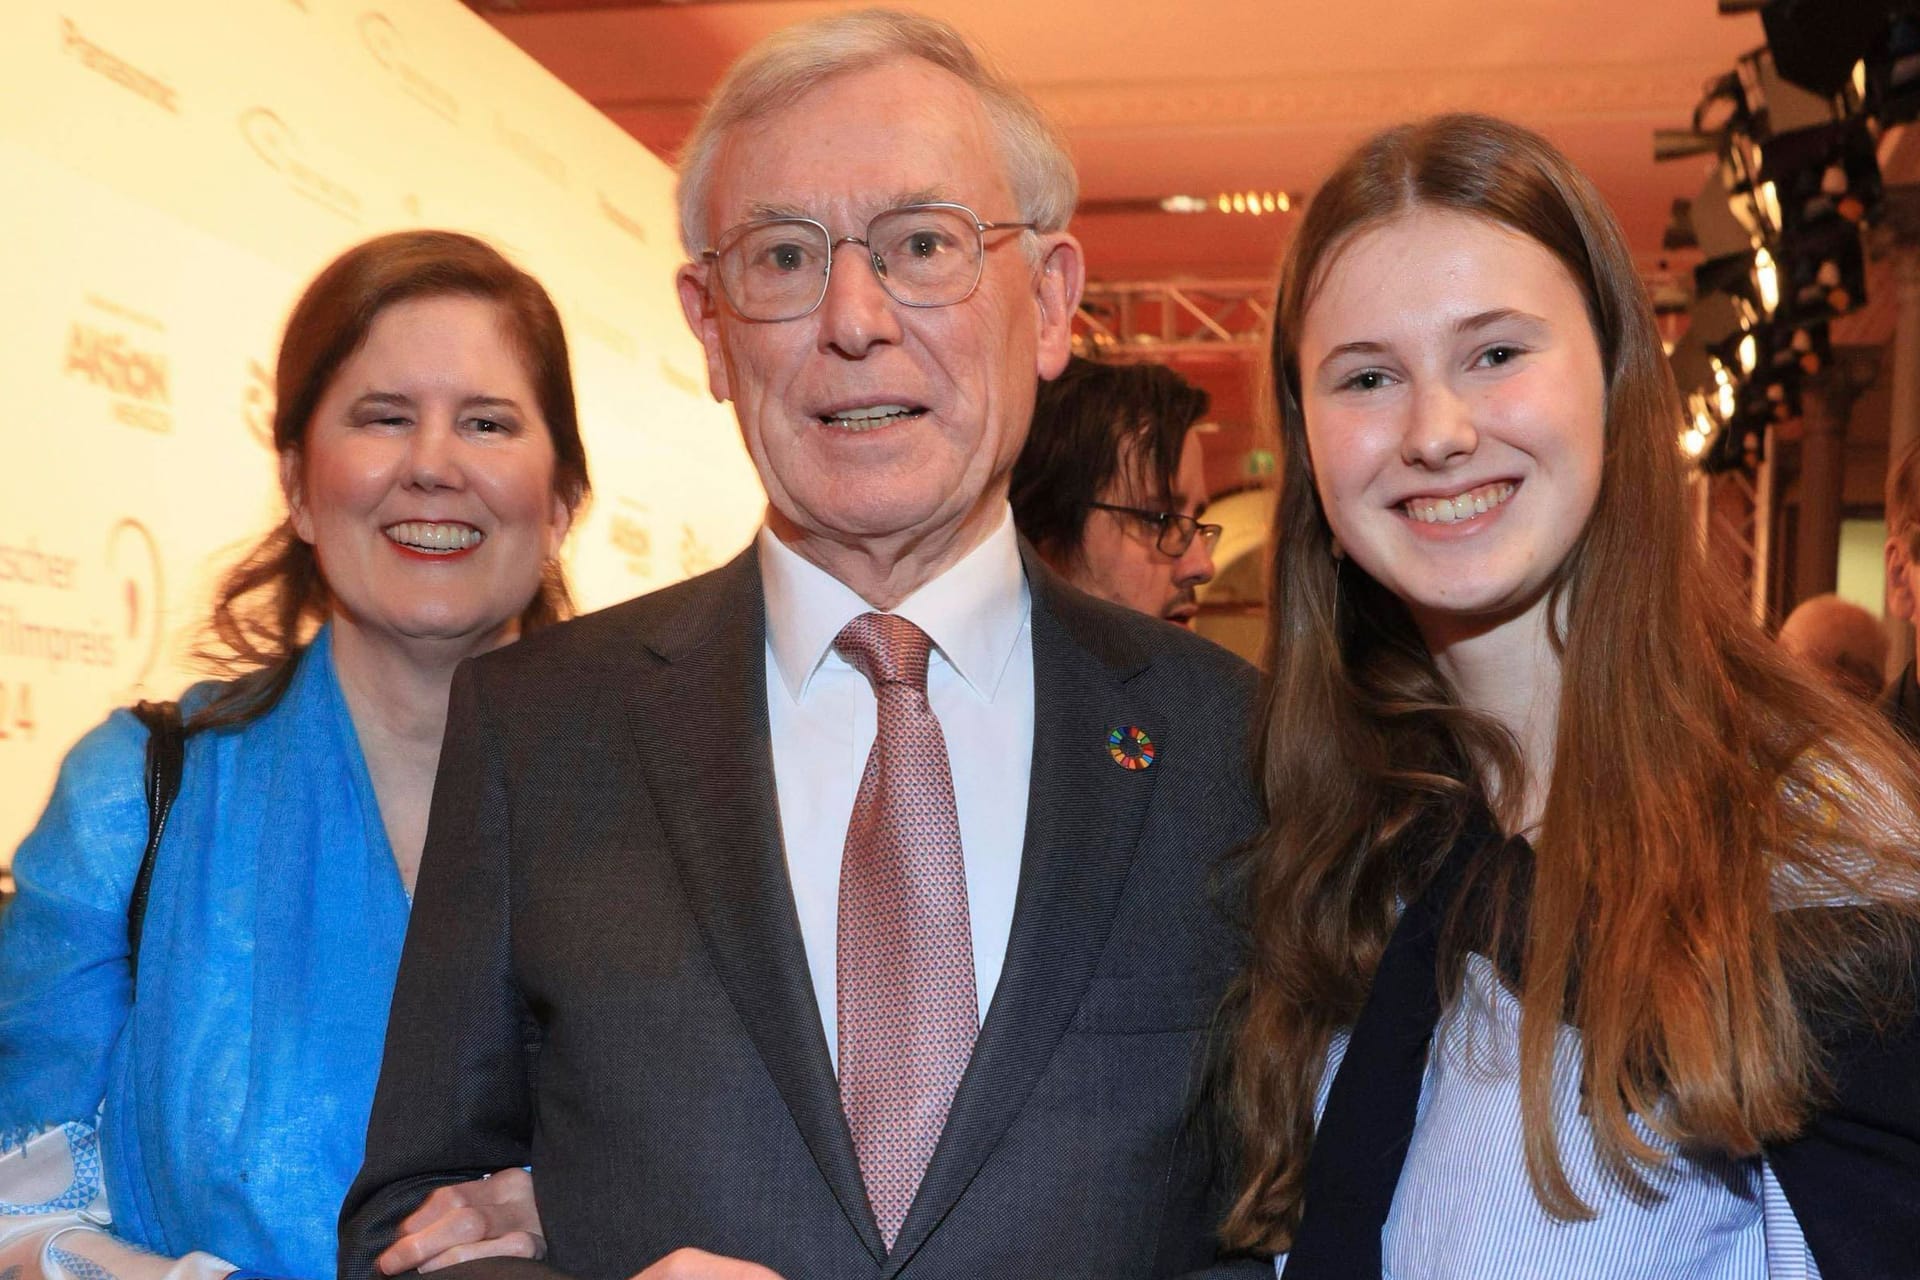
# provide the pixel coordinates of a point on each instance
(886, 649)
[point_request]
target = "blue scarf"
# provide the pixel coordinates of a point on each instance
(237, 1090)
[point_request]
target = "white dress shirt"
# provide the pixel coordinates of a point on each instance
(821, 714)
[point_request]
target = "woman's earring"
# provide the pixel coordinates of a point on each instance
(1339, 552)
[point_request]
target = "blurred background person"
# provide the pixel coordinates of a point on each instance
(1584, 927)
(431, 463)
(1901, 701)
(1111, 485)
(1843, 643)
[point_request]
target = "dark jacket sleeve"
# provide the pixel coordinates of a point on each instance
(1853, 1176)
(455, 1094)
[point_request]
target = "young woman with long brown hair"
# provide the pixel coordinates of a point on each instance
(1583, 927)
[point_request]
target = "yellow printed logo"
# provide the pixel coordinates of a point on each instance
(135, 377)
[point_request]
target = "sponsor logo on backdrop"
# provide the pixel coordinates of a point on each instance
(118, 69)
(523, 145)
(627, 531)
(279, 148)
(679, 379)
(389, 48)
(133, 573)
(257, 400)
(117, 350)
(695, 555)
(625, 221)
(74, 610)
(607, 334)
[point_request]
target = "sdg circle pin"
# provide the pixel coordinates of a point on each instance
(1130, 747)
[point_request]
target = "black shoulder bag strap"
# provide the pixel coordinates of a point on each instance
(166, 750)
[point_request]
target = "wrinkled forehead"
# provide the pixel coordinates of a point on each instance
(859, 143)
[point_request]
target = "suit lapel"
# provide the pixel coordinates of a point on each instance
(699, 718)
(1084, 815)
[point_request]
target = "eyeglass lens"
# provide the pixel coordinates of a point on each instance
(924, 257)
(1177, 533)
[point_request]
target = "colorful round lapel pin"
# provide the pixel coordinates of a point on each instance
(1130, 747)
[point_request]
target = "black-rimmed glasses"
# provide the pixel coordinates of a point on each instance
(1177, 532)
(925, 255)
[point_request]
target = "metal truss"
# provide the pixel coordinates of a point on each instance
(1150, 320)
(1734, 510)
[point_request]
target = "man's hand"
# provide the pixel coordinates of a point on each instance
(492, 1218)
(696, 1264)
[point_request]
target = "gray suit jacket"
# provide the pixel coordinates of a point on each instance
(605, 977)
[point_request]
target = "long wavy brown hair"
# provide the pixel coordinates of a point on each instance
(1701, 786)
(268, 604)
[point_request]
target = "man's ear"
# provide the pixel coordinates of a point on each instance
(292, 486)
(703, 317)
(1058, 283)
(1900, 597)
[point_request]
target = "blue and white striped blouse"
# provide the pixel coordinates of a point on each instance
(1465, 1208)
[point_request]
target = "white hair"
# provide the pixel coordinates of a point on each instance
(790, 62)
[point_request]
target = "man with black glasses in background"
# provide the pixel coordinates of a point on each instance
(1110, 486)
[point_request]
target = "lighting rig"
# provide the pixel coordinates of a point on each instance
(1794, 129)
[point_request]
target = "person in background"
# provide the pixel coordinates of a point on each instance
(848, 911)
(1584, 928)
(1901, 700)
(1111, 485)
(1840, 641)
(216, 1109)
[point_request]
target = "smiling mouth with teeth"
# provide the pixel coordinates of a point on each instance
(1461, 507)
(871, 417)
(434, 538)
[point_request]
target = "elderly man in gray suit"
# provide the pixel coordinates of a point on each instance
(853, 910)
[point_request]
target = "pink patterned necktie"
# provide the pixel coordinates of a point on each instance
(908, 1011)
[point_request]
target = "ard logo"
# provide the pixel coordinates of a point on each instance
(387, 47)
(257, 401)
(137, 379)
(133, 565)
(279, 148)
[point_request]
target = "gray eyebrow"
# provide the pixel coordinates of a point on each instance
(761, 210)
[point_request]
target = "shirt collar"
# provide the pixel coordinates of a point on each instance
(974, 611)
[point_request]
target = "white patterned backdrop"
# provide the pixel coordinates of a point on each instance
(170, 175)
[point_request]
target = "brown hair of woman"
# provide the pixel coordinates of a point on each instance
(268, 604)
(1698, 781)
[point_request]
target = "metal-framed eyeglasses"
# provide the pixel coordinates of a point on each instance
(1177, 532)
(924, 255)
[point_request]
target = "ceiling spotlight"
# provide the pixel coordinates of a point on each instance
(1679, 232)
(1677, 144)
(1766, 280)
(1722, 107)
(1254, 202)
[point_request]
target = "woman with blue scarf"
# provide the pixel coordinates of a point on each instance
(211, 1112)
